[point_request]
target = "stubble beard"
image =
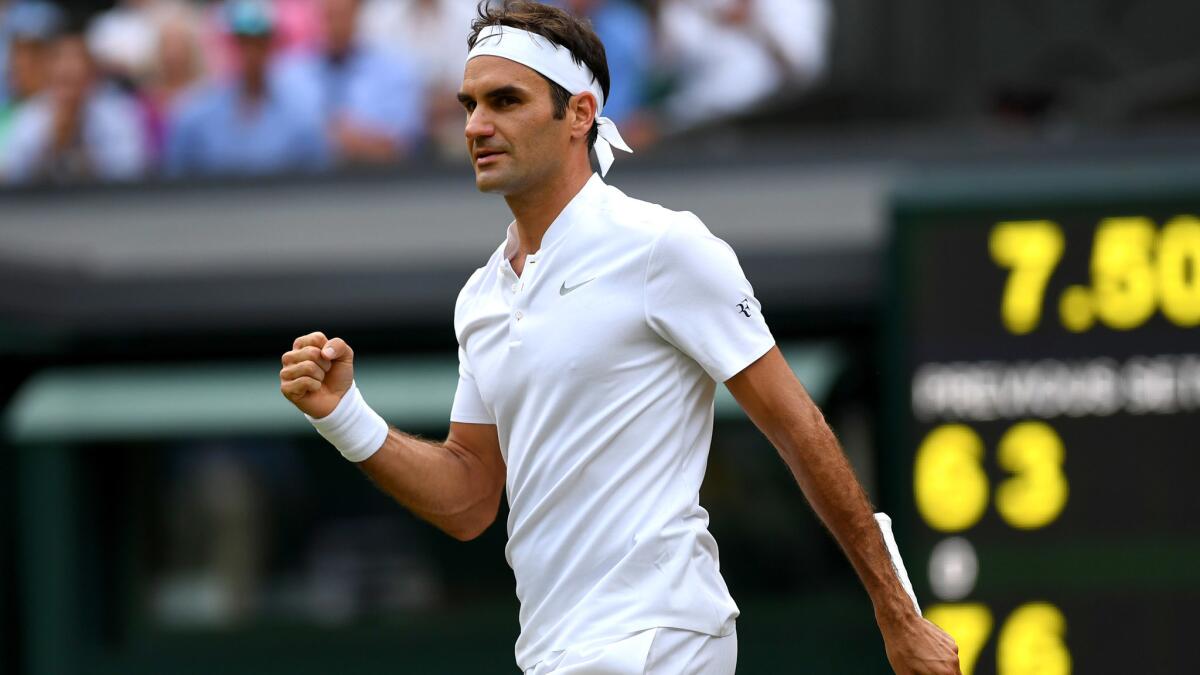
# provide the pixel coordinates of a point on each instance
(501, 181)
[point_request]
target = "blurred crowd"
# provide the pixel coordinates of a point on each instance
(185, 88)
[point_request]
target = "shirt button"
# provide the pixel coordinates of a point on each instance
(514, 287)
(520, 316)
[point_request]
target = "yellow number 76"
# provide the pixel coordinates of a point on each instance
(1030, 641)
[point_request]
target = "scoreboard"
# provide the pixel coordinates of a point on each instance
(1044, 393)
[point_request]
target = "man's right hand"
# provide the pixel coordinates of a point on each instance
(316, 373)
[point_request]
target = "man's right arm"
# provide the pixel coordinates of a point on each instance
(455, 485)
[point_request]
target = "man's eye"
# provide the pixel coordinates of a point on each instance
(505, 101)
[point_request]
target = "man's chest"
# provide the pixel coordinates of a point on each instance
(559, 331)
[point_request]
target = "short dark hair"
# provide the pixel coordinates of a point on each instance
(561, 28)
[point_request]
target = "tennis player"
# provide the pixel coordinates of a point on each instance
(590, 347)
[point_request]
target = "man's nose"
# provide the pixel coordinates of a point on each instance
(479, 125)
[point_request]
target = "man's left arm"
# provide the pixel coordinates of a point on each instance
(778, 404)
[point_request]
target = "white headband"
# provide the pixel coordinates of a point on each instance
(555, 62)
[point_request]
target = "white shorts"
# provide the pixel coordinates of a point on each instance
(658, 651)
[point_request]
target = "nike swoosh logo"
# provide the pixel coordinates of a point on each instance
(567, 289)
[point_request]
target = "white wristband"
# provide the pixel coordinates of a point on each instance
(353, 428)
(889, 539)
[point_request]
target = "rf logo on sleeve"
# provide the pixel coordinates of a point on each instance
(744, 306)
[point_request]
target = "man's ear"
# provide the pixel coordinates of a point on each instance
(583, 114)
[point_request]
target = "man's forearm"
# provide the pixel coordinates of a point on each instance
(828, 481)
(442, 483)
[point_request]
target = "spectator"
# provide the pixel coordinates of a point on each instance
(372, 100)
(731, 55)
(433, 33)
(78, 129)
(250, 122)
(124, 39)
(29, 28)
(298, 24)
(23, 18)
(177, 67)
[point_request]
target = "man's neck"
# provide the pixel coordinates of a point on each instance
(536, 210)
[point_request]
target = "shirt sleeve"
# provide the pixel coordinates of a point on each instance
(699, 300)
(468, 403)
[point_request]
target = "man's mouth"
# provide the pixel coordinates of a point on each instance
(484, 157)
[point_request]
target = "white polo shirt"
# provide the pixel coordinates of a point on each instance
(598, 367)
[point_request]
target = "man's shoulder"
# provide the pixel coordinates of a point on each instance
(476, 282)
(666, 235)
(642, 219)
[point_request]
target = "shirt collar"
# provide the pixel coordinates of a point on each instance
(588, 194)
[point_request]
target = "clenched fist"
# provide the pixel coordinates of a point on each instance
(918, 647)
(316, 373)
